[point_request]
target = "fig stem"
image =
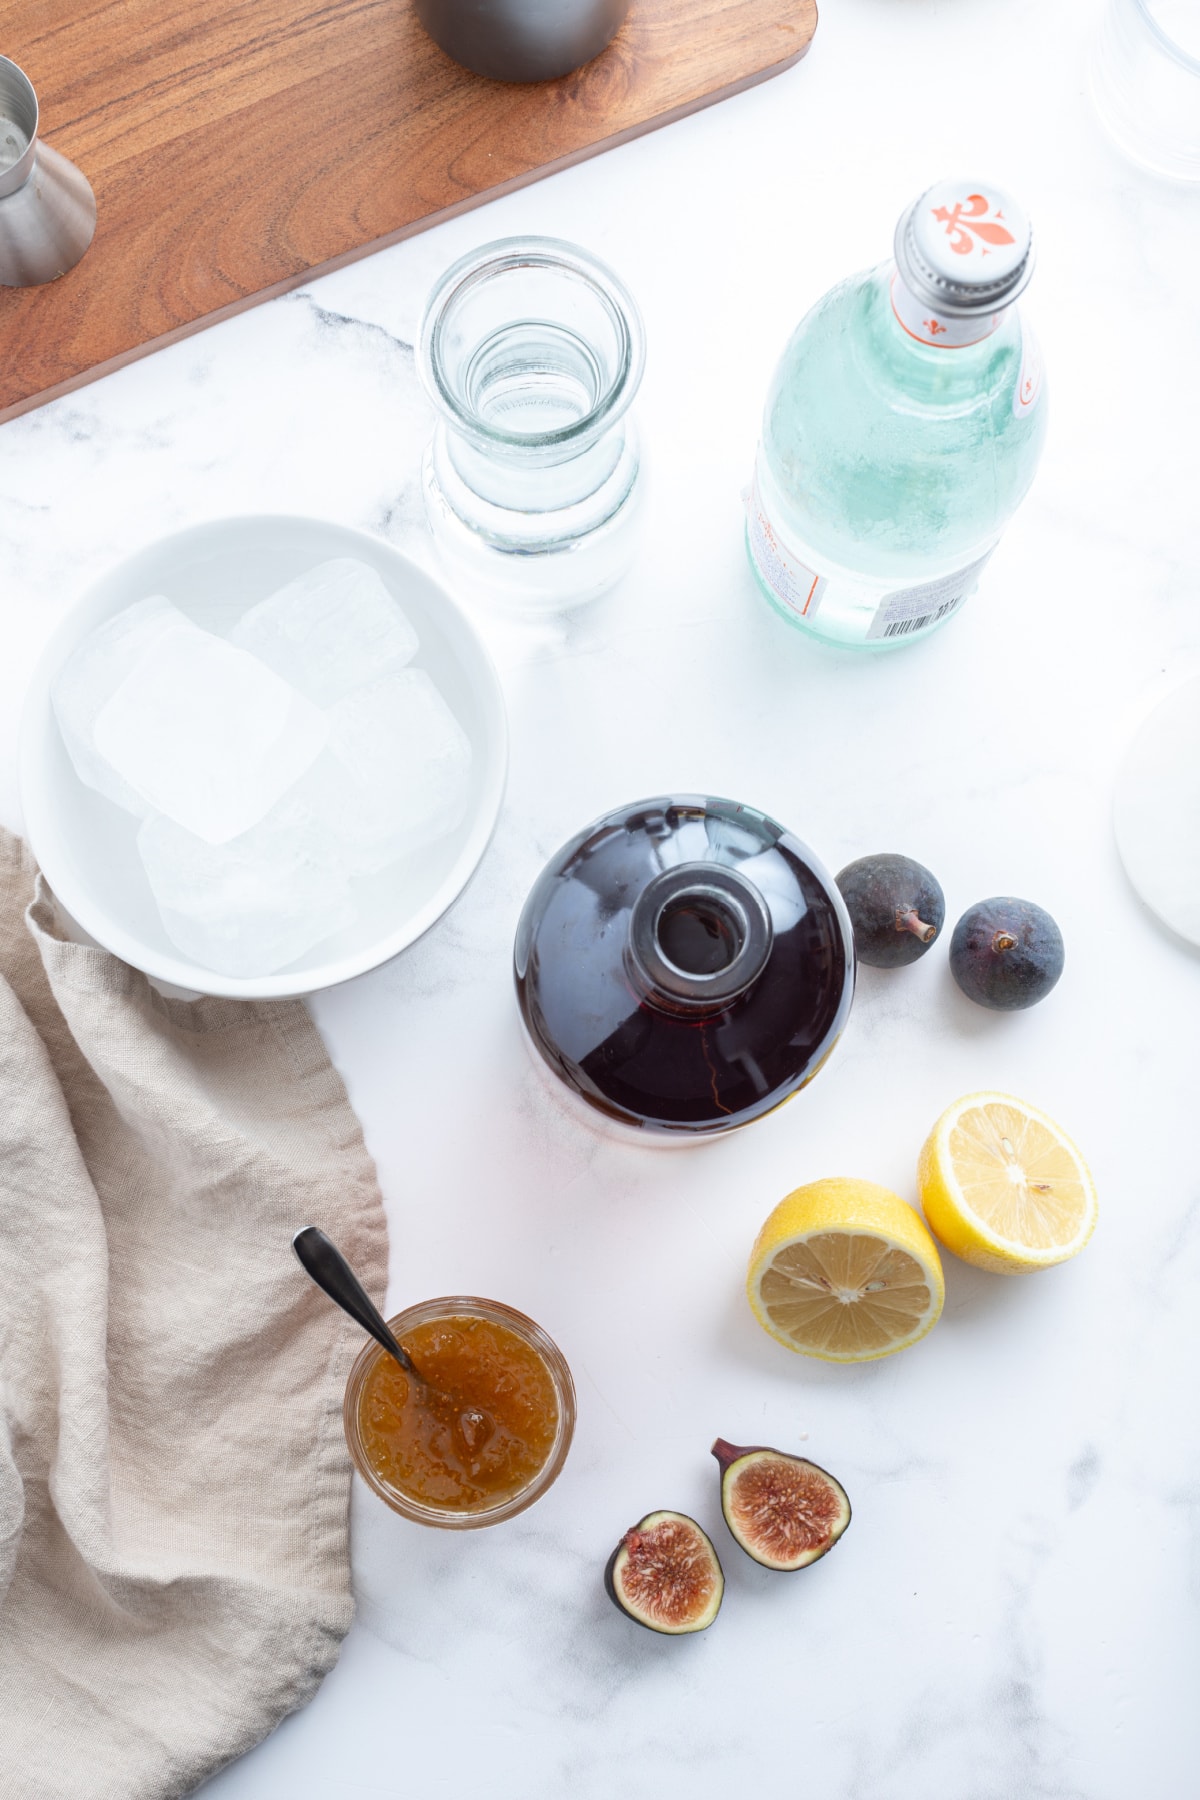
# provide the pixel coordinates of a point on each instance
(911, 920)
(725, 1453)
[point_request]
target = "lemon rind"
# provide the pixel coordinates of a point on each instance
(1009, 1254)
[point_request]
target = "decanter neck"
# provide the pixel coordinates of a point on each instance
(700, 935)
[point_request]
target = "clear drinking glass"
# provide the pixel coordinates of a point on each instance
(532, 351)
(1145, 76)
(452, 1307)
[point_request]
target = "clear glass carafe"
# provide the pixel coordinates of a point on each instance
(532, 351)
(684, 965)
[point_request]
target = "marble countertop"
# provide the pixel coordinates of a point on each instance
(1013, 1612)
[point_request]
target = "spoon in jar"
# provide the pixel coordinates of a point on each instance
(324, 1262)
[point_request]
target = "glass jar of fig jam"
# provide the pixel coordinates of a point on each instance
(488, 1432)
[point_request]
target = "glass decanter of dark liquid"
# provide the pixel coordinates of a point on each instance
(684, 965)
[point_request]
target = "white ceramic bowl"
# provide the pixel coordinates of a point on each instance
(214, 572)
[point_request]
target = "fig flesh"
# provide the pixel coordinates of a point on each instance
(783, 1510)
(665, 1574)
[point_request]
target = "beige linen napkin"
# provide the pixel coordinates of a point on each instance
(174, 1485)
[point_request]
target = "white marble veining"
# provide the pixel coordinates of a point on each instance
(1013, 1611)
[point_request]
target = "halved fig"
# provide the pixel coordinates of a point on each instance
(665, 1574)
(783, 1510)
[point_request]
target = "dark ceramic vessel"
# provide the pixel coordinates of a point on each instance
(522, 40)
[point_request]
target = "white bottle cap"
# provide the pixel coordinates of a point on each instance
(965, 247)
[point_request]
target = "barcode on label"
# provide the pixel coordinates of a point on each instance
(908, 610)
(902, 627)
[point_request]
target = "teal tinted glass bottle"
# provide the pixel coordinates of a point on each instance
(902, 428)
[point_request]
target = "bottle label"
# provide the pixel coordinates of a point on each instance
(794, 584)
(907, 610)
(1029, 382)
(938, 330)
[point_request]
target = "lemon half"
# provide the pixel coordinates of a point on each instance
(1004, 1187)
(846, 1271)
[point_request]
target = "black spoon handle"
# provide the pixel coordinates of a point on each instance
(333, 1274)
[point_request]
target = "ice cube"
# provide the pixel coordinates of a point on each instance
(329, 631)
(89, 678)
(206, 734)
(246, 907)
(396, 775)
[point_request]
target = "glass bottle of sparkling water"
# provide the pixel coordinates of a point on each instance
(902, 429)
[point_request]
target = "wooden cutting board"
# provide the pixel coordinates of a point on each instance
(238, 147)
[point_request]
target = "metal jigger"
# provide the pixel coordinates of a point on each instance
(47, 207)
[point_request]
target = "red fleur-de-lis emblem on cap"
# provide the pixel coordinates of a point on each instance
(970, 215)
(932, 327)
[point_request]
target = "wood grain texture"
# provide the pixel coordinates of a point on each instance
(239, 147)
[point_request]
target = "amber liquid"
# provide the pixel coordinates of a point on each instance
(477, 1433)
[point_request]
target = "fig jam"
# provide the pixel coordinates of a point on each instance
(479, 1431)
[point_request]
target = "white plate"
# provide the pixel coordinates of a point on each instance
(214, 572)
(1156, 811)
